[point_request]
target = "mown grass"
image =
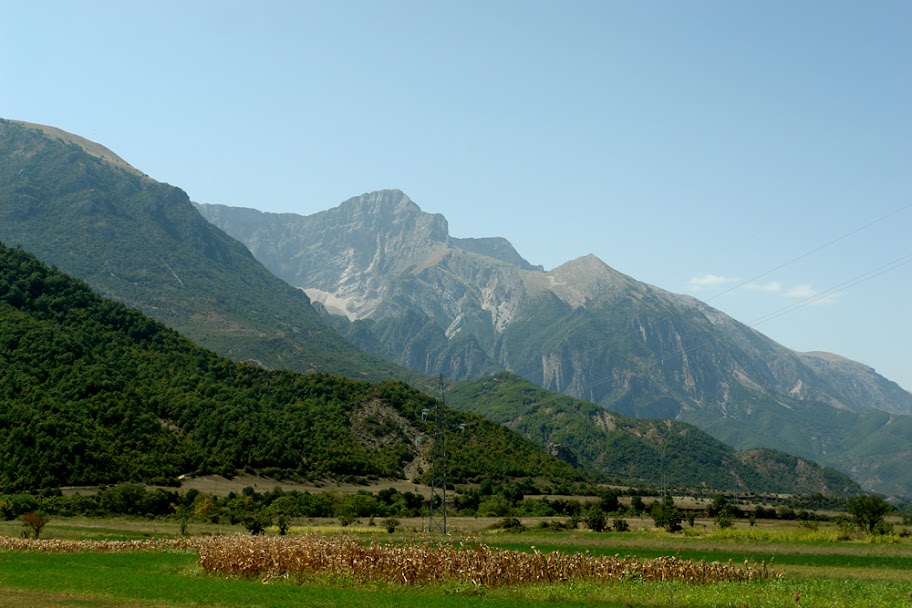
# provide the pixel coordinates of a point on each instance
(852, 574)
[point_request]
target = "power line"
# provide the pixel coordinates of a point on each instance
(858, 279)
(621, 334)
(811, 252)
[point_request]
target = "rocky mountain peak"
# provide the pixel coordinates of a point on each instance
(389, 212)
(588, 280)
(464, 307)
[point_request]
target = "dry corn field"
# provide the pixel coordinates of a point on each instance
(305, 556)
(417, 564)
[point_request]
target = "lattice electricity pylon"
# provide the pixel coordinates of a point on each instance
(437, 515)
(437, 507)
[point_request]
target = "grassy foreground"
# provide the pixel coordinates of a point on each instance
(844, 574)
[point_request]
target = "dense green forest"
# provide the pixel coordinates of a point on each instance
(639, 451)
(92, 391)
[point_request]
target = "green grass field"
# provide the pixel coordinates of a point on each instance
(842, 574)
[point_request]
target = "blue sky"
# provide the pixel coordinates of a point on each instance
(756, 155)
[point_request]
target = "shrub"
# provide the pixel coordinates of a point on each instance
(846, 528)
(255, 523)
(882, 528)
(595, 520)
(283, 522)
(725, 520)
(620, 525)
(33, 523)
(511, 524)
(347, 519)
(391, 523)
(667, 516)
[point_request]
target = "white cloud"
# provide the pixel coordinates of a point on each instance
(804, 291)
(707, 281)
(801, 292)
(770, 287)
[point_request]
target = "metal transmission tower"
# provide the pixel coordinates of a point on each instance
(437, 515)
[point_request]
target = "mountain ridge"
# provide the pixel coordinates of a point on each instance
(453, 308)
(582, 329)
(142, 243)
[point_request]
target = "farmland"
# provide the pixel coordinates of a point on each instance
(153, 566)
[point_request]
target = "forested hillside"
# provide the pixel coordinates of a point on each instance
(95, 392)
(640, 451)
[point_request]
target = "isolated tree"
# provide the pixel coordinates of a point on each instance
(609, 503)
(596, 520)
(33, 523)
(391, 523)
(723, 511)
(869, 511)
(721, 505)
(666, 515)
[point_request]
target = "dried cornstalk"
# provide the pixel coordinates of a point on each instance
(478, 564)
(415, 564)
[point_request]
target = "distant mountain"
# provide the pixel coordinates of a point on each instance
(88, 211)
(80, 207)
(95, 392)
(640, 451)
(398, 284)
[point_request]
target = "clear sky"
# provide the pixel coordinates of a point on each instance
(693, 145)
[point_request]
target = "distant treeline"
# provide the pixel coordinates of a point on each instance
(255, 510)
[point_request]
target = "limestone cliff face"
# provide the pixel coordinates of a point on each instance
(400, 286)
(583, 328)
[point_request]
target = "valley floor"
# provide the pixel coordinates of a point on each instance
(825, 572)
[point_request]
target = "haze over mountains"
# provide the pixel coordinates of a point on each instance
(397, 284)
(463, 307)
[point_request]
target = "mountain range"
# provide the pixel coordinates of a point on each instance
(80, 207)
(390, 278)
(95, 392)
